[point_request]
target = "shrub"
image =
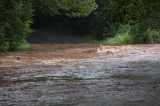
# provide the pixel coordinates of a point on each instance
(122, 37)
(146, 31)
(119, 39)
(101, 23)
(111, 13)
(152, 36)
(15, 22)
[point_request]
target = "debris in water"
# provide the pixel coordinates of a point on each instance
(18, 58)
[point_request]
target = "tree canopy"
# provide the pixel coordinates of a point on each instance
(15, 19)
(136, 20)
(71, 8)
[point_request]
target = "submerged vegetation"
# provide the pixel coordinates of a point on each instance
(110, 21)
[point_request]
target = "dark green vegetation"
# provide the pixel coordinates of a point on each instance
(110, 21)
(127, 21)
(15, 19)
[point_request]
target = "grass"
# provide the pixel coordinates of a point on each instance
(24, 46)
(119, 39)
(6, 47)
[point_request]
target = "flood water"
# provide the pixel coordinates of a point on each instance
(91, 82)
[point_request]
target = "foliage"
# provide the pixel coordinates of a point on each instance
(123, 36)
(101, 22)
(15, 19)
(147, 31)
(152, 36)
(64, 14)
(139, 33)
(71, 8)
(143, 16)
(116, 21)
(145, 34)
(120, 39)
(133, 11)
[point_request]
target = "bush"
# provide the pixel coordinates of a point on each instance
(146, 31)
(123, 36)
(15, 22)
(152, 36)
(140, 14)
(119, 39)
(101, 23)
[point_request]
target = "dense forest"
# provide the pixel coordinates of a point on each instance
(109, 21)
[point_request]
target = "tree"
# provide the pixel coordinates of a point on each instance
(102, 24)
(125, 11)
(15, 19)
(113, 14)
(71, 8)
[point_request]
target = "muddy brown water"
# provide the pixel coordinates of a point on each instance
(81, 75)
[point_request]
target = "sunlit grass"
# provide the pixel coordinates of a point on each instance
(119, 39)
